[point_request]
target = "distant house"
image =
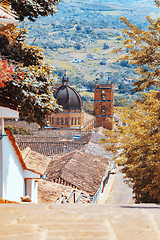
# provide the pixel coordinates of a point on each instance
(128, 79)
(90, 55)
(19, 171)
(77, 60)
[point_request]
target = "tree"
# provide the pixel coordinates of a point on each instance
(105, 46)
(103, 62)
(5, 73)
(144, 51)
(136, 143)
(124, 63)
(139, 141)
(78, 27)
(31, 92)
(77, 46)
(32, 9)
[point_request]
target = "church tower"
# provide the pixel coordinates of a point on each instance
(103, 105)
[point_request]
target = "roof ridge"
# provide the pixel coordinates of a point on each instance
(67, 162)
(26, 152)
(15, 146)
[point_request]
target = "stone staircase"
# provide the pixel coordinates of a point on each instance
(78, 222)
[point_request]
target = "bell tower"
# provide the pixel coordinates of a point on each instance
(103, 105)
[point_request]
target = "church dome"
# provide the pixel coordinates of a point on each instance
(68, 97)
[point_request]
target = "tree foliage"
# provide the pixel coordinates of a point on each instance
(19, 130)
(143, 50)
(32, 85)
(5, 73)
(136, 143)
(32, 9)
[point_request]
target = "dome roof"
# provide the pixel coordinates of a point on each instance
(68, 97)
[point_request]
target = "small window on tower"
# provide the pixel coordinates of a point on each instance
(57, 121)
(103, 110)
(103, 97)
(61, 121)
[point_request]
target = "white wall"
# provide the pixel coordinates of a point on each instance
(34, 196)
(12, 174)
(31, 189)
(13, 179)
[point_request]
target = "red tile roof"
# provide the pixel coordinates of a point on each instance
(16, 148)
(34, 161)
(48, 192)
(83, 170)
(29, 159)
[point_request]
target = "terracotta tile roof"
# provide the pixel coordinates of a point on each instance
(83, 170)
(98, 150)
(30, 160)
(32, 126)
(48, 192)
(6, 17)
(4, 13)
(7, 201)
(88, 117)
(94, 147)
(34, 161)
(56, 165)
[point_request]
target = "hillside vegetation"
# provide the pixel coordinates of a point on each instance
(80, 37)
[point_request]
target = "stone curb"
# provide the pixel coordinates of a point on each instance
(107, 190)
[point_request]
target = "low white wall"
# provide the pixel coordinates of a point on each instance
(34, 188)
(31, 189)
(13, 179)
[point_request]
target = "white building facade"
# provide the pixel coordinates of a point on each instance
(15, 180)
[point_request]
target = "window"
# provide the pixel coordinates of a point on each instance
(71, 121)
(103, 110)
(78, 120)
(57, 121)
(61, 121)
(52, 121)
(66, 121)
(75, 121)
(103, 97)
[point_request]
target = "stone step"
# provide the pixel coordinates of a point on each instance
(79, 221)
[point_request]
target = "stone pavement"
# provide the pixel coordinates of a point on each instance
(79, 222)
(116, 191)
(121, 193)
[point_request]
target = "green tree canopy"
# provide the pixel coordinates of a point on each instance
(32, 86)
(32, 9)
(143, 49)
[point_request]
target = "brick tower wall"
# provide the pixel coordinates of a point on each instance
(103, 105)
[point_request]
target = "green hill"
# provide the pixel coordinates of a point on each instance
(80, 36)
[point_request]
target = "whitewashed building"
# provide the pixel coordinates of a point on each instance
(19, 171)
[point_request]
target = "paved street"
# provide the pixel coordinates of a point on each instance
(121, 193)
(116, 191)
